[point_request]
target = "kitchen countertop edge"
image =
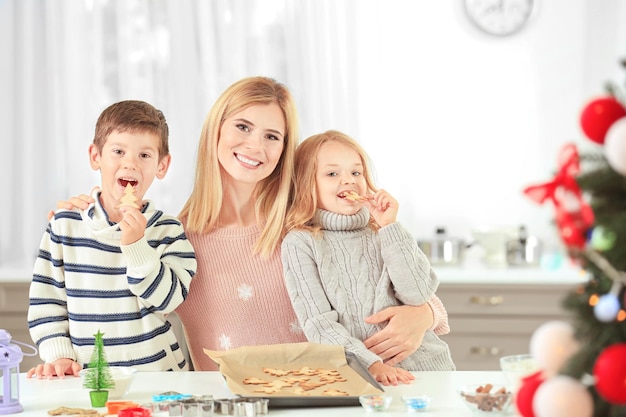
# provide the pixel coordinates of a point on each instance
(474, 274)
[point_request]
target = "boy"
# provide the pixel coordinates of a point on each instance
(120, 266)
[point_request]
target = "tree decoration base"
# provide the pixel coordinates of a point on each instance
(99, 398)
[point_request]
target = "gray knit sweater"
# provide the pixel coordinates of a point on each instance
(350, 272)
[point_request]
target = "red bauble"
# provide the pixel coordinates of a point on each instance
(526, 393)
(610, 374)
(598, 116)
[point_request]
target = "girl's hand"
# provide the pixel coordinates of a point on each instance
(60, 368)
(389, 375)
(403, 333)
(383, 208)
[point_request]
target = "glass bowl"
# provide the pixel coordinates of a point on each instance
(416, 403)
(375, 402)
(486, 399)
(516, 367)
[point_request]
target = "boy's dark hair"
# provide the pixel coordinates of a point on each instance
(132, 116)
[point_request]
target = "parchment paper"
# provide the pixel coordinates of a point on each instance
(244, 362)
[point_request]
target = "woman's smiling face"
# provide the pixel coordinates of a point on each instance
(251, 143)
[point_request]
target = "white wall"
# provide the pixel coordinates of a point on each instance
(458, 123)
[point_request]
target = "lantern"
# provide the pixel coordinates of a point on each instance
(10, 357)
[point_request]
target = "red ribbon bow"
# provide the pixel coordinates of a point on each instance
(574, 217)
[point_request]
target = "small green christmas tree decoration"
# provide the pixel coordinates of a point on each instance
(98, 377)
(129, 197)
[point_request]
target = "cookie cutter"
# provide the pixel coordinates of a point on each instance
(242, 407)
(170, 396)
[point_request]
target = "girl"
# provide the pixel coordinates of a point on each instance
(346, 256)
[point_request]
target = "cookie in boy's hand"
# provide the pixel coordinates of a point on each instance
(129, 197)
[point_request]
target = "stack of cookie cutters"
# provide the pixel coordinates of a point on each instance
(174, 404)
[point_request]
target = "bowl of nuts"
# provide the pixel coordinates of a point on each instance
(486, 399)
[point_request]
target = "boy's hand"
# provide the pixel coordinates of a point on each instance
(383, 207)
(389, 375)
(60, 368)
(133, 225)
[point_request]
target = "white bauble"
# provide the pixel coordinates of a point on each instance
(562, 396)
(552, 344)
(615, 146)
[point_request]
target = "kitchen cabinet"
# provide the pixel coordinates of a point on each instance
(490, 320)
(13, 310)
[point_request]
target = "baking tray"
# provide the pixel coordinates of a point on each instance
(323, 401)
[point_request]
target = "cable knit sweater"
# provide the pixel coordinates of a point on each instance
(84, 281)
(236, 298)
(338, 279)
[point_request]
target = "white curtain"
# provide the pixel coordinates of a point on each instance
(63, 62)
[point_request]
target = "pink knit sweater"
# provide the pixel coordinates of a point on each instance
(236, 298)
(239, 299)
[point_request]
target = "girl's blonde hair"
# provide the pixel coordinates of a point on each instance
(201, 211)
(301, 214)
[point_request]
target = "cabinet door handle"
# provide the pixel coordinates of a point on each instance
(486, 351)
(492, 300)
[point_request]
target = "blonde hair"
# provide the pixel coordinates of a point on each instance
(202, 209)
(301, 214)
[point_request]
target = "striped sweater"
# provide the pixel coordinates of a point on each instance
(337, 280)
(85, 281)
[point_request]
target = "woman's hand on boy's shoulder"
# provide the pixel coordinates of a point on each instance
(81, 201)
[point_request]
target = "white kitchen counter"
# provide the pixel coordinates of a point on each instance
(37, 396)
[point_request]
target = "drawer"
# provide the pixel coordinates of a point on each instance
(496, 326)
(14, 310)
(16, 324)
(14, 297)
(491, 300)
(476, 352)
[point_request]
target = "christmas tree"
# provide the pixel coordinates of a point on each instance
(589, 196)
(98, 376)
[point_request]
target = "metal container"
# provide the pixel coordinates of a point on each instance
(523, 251)
(443, 249)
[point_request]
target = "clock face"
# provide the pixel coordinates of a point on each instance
(499, 17)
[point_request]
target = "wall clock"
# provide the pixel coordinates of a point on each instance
(499, 17)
